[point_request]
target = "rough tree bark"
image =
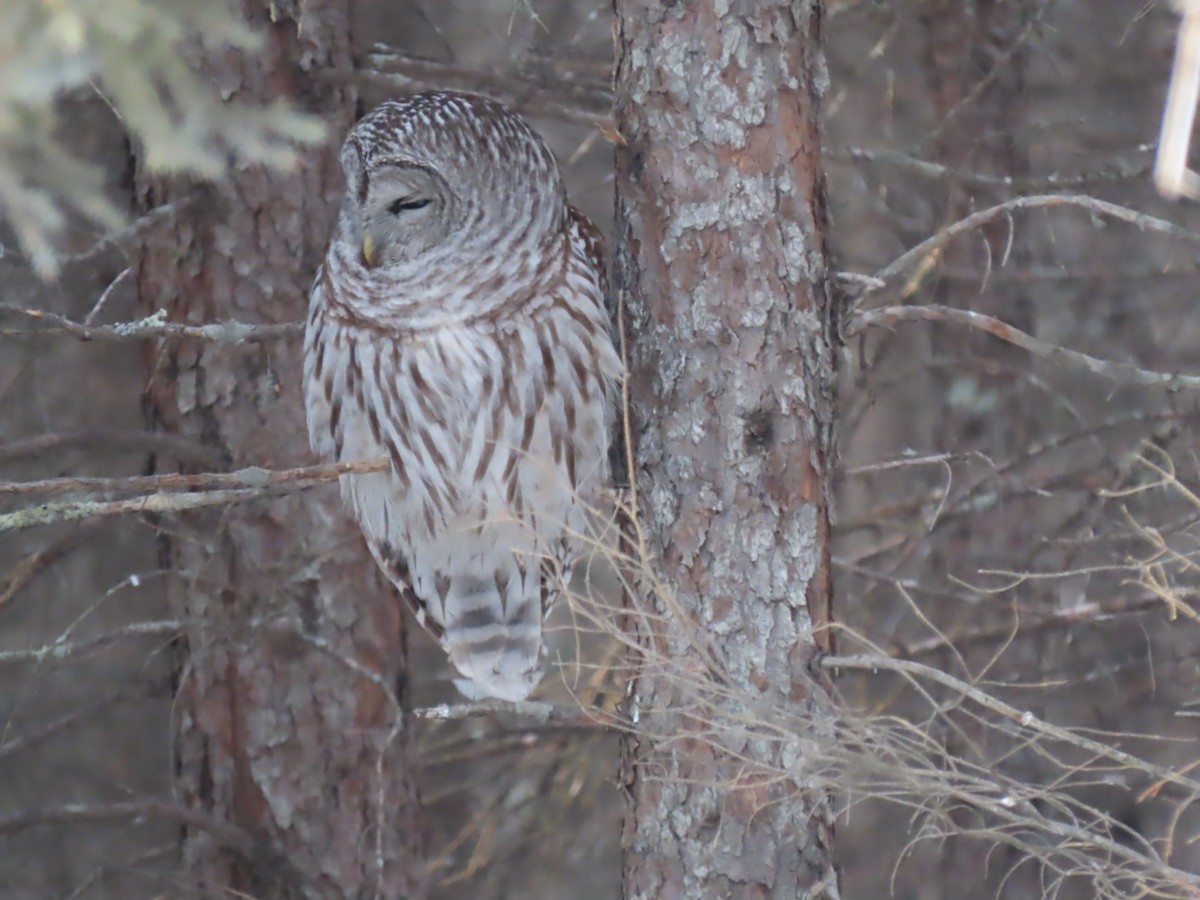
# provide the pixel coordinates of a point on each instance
(287, 725)
(722, 265)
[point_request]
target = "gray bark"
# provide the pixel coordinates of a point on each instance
(721, 264)
(287, 724)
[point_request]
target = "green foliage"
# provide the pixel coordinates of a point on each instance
(135, 53)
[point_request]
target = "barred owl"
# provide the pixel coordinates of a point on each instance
(457, 326)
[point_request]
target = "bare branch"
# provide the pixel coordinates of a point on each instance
(105, 296)
(1082, 613)
(1022, 718)
(935, 242)
(216, 490)
(62, 649)
(930, 169)
(1119, 372)
(153, 326)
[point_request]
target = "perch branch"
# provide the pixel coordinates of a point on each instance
(531, 711)
(215, 490)
(152, 326)
(251, 477)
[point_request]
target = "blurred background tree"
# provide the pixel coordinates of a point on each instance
(136, 57)
(1014, 531)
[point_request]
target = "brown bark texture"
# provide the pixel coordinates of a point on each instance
(721, 267)
(287, 724)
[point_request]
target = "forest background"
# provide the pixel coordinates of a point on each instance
(1013, 551)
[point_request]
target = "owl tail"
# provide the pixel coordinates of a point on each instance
(493, 633)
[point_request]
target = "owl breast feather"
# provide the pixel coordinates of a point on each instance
(497, 432)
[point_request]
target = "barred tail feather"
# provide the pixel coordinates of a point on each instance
(494, 637)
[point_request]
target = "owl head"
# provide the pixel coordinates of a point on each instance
(438, 176)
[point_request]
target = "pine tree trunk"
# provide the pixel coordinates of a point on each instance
(722, 266)
(287, 721)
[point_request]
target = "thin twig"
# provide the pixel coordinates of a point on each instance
(98, 306)
(64, 649)
(1081, 614)
(935, 242)
(152, 326)
(1023, 718)
(917, 165)
(1119, 372)
(903, 462)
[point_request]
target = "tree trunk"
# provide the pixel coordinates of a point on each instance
(722, 265)
(287, 722)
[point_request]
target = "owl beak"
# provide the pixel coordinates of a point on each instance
(368, 251)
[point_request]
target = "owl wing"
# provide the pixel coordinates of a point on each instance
(590, 243)
(495, 431)
(326, 394)
(585, 469)
(535, 451)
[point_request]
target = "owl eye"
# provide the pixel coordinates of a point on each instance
(406, 204)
